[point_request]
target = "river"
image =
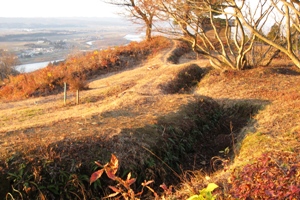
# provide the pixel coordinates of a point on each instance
(25, 68)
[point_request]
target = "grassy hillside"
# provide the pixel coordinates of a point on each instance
(167, 117)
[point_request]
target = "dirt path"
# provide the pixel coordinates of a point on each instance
(144, 78)
(47, 119)
(121, 111)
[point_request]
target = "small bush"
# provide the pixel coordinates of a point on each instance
(123, 187)
(206, 193)
(7, 63)
(272, 176)
(77, 82)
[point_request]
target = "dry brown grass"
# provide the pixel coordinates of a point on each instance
(274, 130)
(77, 68)
(122, 112)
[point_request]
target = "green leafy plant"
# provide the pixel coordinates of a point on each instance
(206, 193)
(24, 183)
(123, 187)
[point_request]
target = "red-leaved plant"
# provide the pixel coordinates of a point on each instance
(122, 189)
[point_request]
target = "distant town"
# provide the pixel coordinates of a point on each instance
(41, 40)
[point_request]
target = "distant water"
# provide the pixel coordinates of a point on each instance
(25, 68)
(90, 43)
(134, 37)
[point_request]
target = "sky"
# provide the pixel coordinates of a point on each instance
(57, 8)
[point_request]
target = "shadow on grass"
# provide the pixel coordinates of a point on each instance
(185, 139)
(182, 48)
(291, 71)
(185, 80)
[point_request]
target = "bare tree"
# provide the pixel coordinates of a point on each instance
(207, 26)
(288, 13)
(7, 63)
(139, 11)
(260, 19)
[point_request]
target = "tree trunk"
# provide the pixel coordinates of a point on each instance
(149, 32)
(270, 56)
(286, 50)
(295, 60)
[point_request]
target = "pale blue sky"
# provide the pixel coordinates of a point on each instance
(57, 8)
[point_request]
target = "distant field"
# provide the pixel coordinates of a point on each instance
(39, 40)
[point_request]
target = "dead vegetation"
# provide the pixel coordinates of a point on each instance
(155, 116)
(78, 68)
(266, 149)
(184, 80)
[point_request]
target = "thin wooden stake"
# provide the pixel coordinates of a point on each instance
(77, 97)
(65, 93)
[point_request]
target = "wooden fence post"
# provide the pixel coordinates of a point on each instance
(65, 93)
(77, 97)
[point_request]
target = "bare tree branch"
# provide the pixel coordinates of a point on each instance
(139, 11)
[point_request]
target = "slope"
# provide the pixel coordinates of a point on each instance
(184, 113)
(147, 106)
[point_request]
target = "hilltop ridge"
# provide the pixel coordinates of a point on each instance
(165, 100)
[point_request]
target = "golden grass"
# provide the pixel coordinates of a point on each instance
(121, 110)
(274, 129)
